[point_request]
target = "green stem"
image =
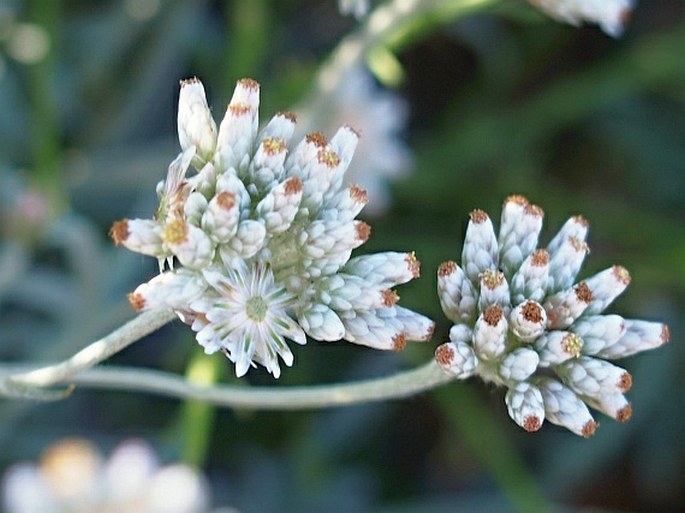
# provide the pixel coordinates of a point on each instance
(93, 354)
(402, 384)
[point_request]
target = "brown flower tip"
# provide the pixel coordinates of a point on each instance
(447, 268)
(328, 157)
(518, 199)
(444, 354)
(249, 83)
(492, 279)
(317, 139)
(359, 195)
(119, 231)
(583, 292)
(492, 315)
(625, 382)
(399, 342)
(293, 185)
(290, 116)
(532, 312)
(429, 333)
(534, 210)
(665, 333)
(413, 264)
(621, 274)
(273, 145)
(579, 245)
(539, 258)
(137, 301)
(581, 221)
(625, 15)
(175, 232)
(239, 109)
(624, 414)
(589, 428)
(390, 297)
(478, 216)
(355, 131)
(532, 423)
(226, 200)
(572, 344)
(363, 231)
(188, 81)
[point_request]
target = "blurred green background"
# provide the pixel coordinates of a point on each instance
(502, 100)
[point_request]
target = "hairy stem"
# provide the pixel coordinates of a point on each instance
(396, 386)
(95, 353)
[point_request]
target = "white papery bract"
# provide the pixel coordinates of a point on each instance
(610, 15)
(254, 246)
(523, 322)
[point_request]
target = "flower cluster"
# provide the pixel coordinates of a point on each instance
(611, 15)
(73, 477)
(522, 322)
(263, 233)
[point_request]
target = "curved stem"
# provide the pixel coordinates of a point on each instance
(396, 386)
(134, 330)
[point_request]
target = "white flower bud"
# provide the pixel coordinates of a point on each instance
(278, 208)
(519, 365)
(457, 358)
(606, 286)
(171, 289)
(266, 168)
(565, 263)
(220, 220)
(564, 408)
(190, 244)
(598, 331)
(248, 240)
(196, 127)
(530, 281)
(490, 333)
(461, 333)
(342, 144)
(518, 234)
(281, 126)
(368, 328)
(413, 325)
(614, 405)
(140, 235)
(639, 336)
(593, 377)
(480, 246)
(528, 321)
(194, 208)
(345, 205)
(566, 306)
(555, 347)
(239, 127)
(576, 227)
(525, 405)
(321, 323)
(456, 293)
(494, 290)
(385, 269)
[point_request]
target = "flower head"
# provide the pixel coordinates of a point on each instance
(74, 477)
(522, 321)
(254, 247)
(611, 15)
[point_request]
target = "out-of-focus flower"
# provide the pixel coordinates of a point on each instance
(380, 117)
(73, 477)
(357, 8)
(611, 15)
(522, 322)
(25, 212)
(263, 235)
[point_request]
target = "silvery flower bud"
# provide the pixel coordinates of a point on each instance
(196, 127)
(518, 234)
(480, 246)
(594, 377)
(528, 321)
(519, 365)
(456, 293)
(490, 333)
(555, 347)
(457, 358)
(525, 405)
(564, 408)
